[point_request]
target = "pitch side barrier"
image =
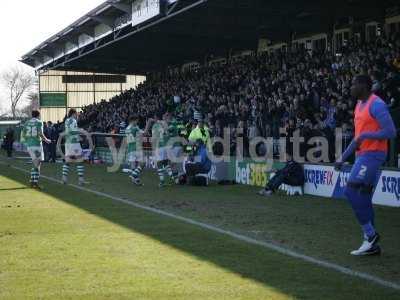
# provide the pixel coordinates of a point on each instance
(320, 179)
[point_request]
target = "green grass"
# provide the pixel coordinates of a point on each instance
(62, 243)
(320, 227)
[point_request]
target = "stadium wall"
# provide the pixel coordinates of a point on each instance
(77, 94)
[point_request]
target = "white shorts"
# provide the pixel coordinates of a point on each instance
(73, 150)
(36, 153)
(135, 156)
(161, 154)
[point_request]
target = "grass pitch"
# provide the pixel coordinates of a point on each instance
(61, 243)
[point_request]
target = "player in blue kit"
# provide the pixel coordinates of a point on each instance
(373, 127)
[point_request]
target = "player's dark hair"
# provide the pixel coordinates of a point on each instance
(365, 80)
(71, 112)
(158, 115)
(35, 114)
(133, 117)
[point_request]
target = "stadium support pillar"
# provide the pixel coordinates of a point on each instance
(66, 92)
(169, 10)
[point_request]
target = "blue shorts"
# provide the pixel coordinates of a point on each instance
(366, 168)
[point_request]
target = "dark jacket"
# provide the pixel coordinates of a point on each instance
(294, 170)
(9, 138)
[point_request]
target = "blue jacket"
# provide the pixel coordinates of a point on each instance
(201, 156)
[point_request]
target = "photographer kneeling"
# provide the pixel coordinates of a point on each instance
(197, 166)
(292, 174)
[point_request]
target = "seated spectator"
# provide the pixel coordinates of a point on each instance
(291, 174)
(197, 164)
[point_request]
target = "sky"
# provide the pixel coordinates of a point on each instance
(24, 24)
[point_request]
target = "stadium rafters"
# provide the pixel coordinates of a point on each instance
(116, 15)
(105, 39)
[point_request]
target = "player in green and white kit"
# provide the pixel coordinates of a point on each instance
(174, 146)
(32, 136)
(135, 151)
(160, 137)
(73, 149)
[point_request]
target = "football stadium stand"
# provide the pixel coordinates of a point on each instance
(265, 66)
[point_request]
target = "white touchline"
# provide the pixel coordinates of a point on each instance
(234, 235)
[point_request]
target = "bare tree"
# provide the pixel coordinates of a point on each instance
(32, 104)
(18, 82)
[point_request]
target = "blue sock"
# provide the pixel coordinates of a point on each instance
(362, 207)
(369, 230)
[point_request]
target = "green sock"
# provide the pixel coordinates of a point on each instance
(81, 171)
(65, 171)
(161, 172)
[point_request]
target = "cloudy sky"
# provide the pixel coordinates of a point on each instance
(25, 24)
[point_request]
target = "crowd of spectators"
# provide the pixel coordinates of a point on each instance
(266, 95)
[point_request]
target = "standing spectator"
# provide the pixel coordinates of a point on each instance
(53, 136)
(46, 147)
(9, 141)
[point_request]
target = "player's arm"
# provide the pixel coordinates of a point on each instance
(148, 127)
(75, 130)
(139, 137)
(163, 128)
(139, 134)
(192, 137)
(381, 113)
(347, 153)
(42, 136)
(23, 134)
